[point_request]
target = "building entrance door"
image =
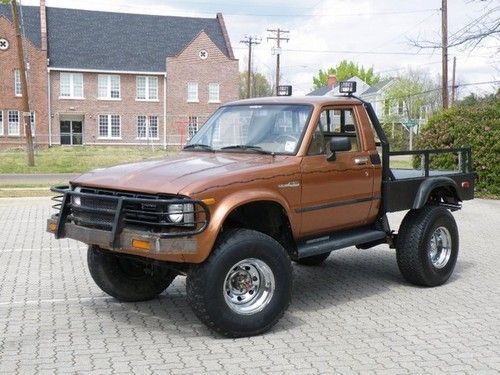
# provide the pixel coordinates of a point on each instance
(71, 132)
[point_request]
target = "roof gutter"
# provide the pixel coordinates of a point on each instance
(137, 72)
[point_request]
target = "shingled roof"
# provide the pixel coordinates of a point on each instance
(83, 39)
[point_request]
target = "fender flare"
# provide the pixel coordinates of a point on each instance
(432, 183)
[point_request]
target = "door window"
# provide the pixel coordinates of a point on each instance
(334, 123)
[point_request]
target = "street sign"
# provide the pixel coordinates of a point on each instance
(285, 90)
(410, 123)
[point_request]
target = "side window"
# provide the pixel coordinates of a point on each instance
(334, 123)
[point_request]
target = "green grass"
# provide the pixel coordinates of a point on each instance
(74, 159)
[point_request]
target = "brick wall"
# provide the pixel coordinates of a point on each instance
(89, 109)
(189, 67)
(37, 89)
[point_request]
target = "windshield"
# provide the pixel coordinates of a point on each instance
(265, 128)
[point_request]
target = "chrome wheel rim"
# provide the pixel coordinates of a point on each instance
(249, 286)
(440, 247)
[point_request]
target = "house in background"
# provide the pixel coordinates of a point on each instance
(332, 87)
(388, 111)
(100, 78)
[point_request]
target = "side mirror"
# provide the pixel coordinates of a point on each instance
(338, 144)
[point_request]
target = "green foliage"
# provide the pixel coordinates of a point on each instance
(5, 2)
(412, 90)
(398, 136)
(344, 70)
(477, 125)
(260, 85)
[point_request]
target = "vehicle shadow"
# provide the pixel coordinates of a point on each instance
(346, 276)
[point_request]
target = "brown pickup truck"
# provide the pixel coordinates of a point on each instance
(264, 182)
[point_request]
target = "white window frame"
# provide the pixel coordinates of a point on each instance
(192, 92)
(1, 122)
(105, 85)
(9, 123)
(33, 122)
(71, 77)
(214, 93)
(150, 83)
(193, 122)
(109, 126)
(147, 130)
(18, 90)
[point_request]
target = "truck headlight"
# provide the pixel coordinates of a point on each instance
(178, 213)
(175, 213)
(76, 200)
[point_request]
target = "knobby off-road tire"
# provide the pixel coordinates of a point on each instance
(244, 287)
(313, 260)
(125, 278)
(427, 246)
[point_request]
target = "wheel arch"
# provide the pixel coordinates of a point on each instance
(437, 188)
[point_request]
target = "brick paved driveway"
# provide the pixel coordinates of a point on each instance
(353, 314)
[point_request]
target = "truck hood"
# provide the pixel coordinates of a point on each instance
(171, 175)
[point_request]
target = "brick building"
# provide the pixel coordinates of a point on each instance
(114, 78)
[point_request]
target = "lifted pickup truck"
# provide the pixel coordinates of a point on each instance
(264, 182)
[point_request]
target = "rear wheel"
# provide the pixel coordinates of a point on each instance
(427, 246)
(126, 278)
(244, 287)
(313, 260)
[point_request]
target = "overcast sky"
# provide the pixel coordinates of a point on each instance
(323, 32)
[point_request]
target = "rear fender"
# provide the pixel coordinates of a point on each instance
(432, 183)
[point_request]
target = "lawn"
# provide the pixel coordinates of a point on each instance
(75, 159)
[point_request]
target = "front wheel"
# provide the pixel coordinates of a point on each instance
(427, 246)
(244, 287)
(126, 278)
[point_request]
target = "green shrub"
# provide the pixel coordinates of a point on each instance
(475, 125)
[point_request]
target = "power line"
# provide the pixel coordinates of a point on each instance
(277, 35)
(250, 41)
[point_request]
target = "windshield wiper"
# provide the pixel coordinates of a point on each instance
(198, 145)
(248, 147)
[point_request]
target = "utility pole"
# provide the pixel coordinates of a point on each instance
(277, 36)
(453, 85)
(25, 108)
(250, 41)
(444, 47)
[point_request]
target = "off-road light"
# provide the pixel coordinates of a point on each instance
(347, 87)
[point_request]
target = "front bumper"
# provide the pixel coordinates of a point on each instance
(124, 242)
(126, 228)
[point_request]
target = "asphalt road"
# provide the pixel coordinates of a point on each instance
(354, 314)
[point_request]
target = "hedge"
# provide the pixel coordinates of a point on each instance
(475, 125)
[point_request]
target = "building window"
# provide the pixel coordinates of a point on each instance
(33, 122)
(146, 88)
(213, 93)
(109, 126)
(71, 85)
(17, 83)
(192, 93)
(14, 128)
(147, 127)
(1, 122)
(192, 126)
(108, 86)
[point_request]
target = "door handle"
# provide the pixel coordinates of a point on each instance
(361, 161)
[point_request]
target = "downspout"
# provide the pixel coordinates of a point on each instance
(49, 107)
(165, 111)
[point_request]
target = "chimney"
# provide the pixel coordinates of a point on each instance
(332, 81)
(43, 26)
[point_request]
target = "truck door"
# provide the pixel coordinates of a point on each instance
(336, 194)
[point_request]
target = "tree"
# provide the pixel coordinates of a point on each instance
(344, 70)
(260, 85)
(410, 96)
(479, 30)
